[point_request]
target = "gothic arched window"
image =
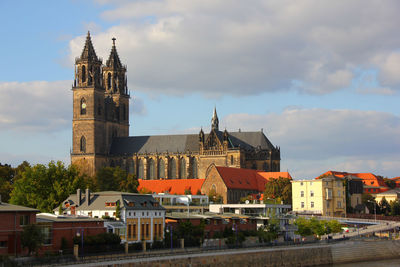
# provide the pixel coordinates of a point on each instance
(182, 169)
(161, 169)
(109, 81)
(83, 144)
(193, 167)
(232, 160)
(83, 106)
(140, 169)
(151, 170)
(131, 166)
(83, 73)
(172, 169)
(124, 111)
(99, 109)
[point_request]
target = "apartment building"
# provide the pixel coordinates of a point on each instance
(325, 196)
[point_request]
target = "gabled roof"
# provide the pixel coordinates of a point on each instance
(185, 142)
(368, 178)
(5, 207)
(98, 201)
(238, 178)
(172, 186)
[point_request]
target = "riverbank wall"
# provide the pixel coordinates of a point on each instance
(348, 252)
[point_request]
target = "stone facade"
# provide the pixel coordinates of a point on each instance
(101, 132)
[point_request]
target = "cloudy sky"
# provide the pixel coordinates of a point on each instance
(321, 78)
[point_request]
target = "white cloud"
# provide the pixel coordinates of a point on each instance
(229, 47)
(37, 106)
(313, 141)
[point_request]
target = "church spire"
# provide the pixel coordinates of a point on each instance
(88, 52)
(215, 121)
(113, 60)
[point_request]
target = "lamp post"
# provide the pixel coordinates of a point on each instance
(169, 229)
(374, 207)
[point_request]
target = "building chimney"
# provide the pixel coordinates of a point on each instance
(88, 196)
(79, 196)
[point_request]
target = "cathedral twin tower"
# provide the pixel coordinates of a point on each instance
(100, 107)
(100, 132)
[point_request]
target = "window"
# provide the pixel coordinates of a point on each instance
(231, 160)
(311, 193)
(151, 174)
(327, 204)
(310, 183)
(159, 230)
(141, 169)
(129, 231)
(83, 106)
(338, 193)
(172, 169)
(3, 244)
(312, 204)
(302, 194)
(83, 73)
(134, 231)
(161, 168)
(193, 166)
(339, 204)
(99, 109)
(24, 220)
(83, 144)
(142, 230)
(301, 183)
(326, 183)
(182, 171)
(109, 81)
(338, 183)
(302, 205)
(147, 230)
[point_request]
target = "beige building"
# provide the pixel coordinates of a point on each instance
(390, 195)
(100, 132)
(324, 196)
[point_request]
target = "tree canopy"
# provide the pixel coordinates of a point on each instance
(32, 238)
(115, 179)
(45, 187)
(278, 189)
(313, 226)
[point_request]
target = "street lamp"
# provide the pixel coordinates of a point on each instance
(374, 207)
(169, 229)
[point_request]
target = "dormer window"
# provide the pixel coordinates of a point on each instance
(131, 204)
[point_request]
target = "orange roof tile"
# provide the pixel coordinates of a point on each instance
(172, 186)
(237, 178)
(368, 178)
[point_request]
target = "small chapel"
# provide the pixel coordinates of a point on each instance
(100, 132)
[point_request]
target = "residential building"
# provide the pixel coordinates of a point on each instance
(372, 184)
(234, 183)
(58, 227)
(325, 196)
(141, 216)
(100, 131)
(13, 220)
(390, 195)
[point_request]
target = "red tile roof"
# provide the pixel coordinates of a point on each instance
(369, 179)
(172, 186)
(237, 178)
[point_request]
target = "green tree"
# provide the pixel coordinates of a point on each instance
(384, 206)
(6, 181)
(278, 188)
(45, 187)
(389, 182)
(214, 196)
(368, 200)
(130, 184)
(303, 227)
(334, 226)
(32, 238)
(118, 211)
(193, 234)
(394, 208)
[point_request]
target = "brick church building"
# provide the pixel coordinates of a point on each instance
(101, 138)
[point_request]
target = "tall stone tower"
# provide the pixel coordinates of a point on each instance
(100, 108)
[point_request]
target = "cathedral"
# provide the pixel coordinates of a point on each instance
(100, 132)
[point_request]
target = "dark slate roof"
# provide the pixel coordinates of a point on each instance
(113, 60)
(5, 207)
(99, 199)
(88, 51)
(183, 143)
